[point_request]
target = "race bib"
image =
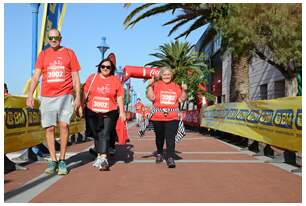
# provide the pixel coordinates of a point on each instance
(167, 97)
(100, 104)
(55, 73)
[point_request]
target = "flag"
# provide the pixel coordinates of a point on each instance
(53, 17)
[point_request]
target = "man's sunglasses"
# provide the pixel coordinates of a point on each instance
(105, 67)
(56, 38)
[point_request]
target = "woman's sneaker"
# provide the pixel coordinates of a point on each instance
(104, 165)
(97, 162)
(62, 168)
(170, 162)
(52, 167)
(159, 158)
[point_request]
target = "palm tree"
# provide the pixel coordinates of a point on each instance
(185, 63)
(200, 14)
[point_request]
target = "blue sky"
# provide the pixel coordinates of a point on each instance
(83, 27)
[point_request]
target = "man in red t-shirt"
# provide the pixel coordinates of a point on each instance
(59, 69)
(139, 107)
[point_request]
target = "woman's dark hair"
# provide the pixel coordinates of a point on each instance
(112, 72)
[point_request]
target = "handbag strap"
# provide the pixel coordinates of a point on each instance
(86, 95)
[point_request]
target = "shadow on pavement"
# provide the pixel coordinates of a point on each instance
(26, 187)
(176, 157)
(124, 153)
(79, 160)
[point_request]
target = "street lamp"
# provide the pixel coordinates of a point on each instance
(103, 47)
(135, 96)
(35, 8)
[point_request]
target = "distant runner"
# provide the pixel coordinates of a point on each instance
(139, 107)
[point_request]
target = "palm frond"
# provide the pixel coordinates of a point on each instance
(202, 21)
(156, 10)
(178, 25)
(178, 18)
(134, 12)
(127, 5)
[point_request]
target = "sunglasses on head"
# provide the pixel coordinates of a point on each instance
(57, 38)
(105, 67)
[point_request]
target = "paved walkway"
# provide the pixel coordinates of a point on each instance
(208, 170)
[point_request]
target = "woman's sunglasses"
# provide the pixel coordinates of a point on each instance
(56, 38)
(105, 67)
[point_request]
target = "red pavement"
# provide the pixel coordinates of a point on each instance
(141, 180)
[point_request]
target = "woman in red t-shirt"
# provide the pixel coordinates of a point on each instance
(166, 95)
(104, 95)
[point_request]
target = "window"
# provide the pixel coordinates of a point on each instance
(264, 91)
(279, 89)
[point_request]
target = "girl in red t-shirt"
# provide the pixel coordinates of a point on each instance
(165, 94)
(105, 95)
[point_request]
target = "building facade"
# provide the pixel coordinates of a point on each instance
(264, 81)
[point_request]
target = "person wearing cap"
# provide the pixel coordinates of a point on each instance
(103, 95)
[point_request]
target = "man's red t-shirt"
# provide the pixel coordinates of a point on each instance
(166, 96)
(103, 93)
(56, 67)
(139, 107)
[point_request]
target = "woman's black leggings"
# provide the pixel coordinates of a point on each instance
(102, 125)
(165, 130)
(113, 136)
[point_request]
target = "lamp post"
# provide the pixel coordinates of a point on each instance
(134, 96)
(35, 8)
(103, 47)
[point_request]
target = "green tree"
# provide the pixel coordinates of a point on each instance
(185, 63)
(272, 32)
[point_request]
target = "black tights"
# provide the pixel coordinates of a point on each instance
(102, 126)
(165, 130)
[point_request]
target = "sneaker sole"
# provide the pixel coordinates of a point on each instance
(104, 169)
(62, 173)
(51, 172)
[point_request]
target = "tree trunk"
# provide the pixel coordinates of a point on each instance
(292, 87)
(239, 84)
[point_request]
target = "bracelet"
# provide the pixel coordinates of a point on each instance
(150, 85)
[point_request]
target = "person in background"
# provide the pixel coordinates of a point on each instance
(104, 95)
(6, 92)
(166, 96)
(139, 107)
(59, 68)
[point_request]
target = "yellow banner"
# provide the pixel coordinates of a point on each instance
(22, 127)
(276, 122)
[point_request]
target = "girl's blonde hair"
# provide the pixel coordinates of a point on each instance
(162, 70)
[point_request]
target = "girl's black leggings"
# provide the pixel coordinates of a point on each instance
(165, 130)
(102, 126)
